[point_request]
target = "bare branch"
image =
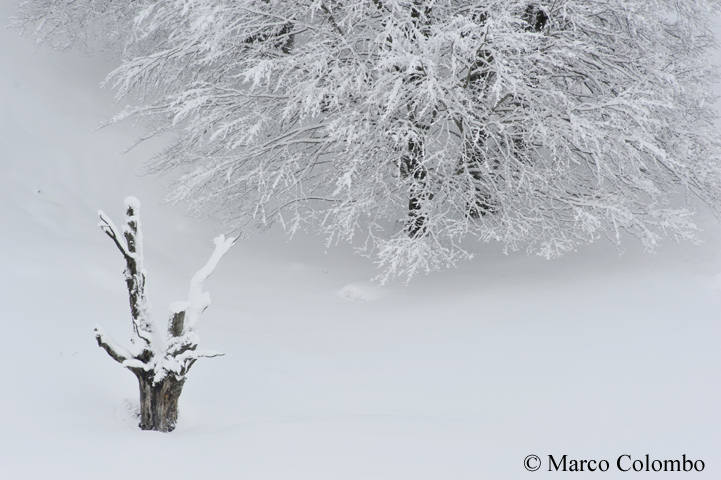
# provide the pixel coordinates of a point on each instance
(112, 231)
(116, 352)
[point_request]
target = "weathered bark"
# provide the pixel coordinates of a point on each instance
(176, 324)
(158, 401)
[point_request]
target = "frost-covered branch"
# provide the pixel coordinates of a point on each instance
(182, 341)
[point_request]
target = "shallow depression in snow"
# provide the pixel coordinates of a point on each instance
(362, 292)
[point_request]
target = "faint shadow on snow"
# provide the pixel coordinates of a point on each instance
(362, 292)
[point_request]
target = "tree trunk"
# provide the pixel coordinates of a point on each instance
(158, 401)
(412, 166)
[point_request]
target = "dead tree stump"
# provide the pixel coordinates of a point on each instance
(160, 364)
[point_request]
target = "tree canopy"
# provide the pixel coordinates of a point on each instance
(542, 124)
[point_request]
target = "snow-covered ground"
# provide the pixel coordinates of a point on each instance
(459, 375)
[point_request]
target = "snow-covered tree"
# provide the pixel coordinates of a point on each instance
(541, 124)
(160, 364)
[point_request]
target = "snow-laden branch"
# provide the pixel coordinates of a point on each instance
(180, 351)
(116, 352)
(197, 299)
